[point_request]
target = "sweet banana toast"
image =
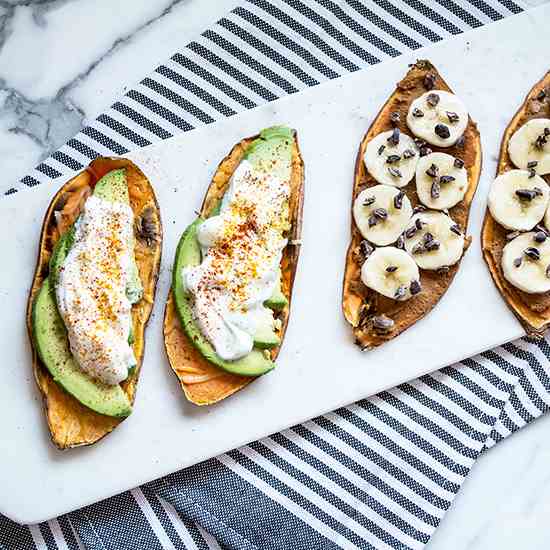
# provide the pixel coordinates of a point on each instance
(515, 236)
(416, 173)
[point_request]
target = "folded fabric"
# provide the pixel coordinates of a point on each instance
(378, 474)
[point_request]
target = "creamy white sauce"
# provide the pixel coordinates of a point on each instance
(91, 292)
(241, 252)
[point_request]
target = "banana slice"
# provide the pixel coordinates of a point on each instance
(529, 147)
(391, 272)
(434, 240)
(438, 117)
(391, 158)
(381, 213)
(441, 180)
(518, 199)
(526, 262)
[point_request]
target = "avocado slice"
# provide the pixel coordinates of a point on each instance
(277, 300)
(52, 345)
(113, 187)
(266, 337)
(188, 253)
(272, 151)
(59, 254)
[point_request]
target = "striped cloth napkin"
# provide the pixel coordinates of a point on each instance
(379, 474)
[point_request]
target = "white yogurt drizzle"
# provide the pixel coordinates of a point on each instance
(91, 292)
(241, 252)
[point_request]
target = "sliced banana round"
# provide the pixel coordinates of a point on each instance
(529, 147)
(381, 213)
(518, 199)
(438, 117)
(434, 240)
(526, 262)
(441, 180)
(391, 272)
(391, 158)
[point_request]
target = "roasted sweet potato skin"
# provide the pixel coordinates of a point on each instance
(360, 303)
(202, 382)
(532, 310)
(71, 424)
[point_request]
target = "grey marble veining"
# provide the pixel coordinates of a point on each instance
(62, 62)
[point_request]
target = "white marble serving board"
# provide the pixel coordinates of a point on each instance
(319, 368)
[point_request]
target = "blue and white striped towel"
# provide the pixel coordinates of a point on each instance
(378, 474)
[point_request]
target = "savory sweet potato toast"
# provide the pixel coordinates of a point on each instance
(202, 381)
(70, 422)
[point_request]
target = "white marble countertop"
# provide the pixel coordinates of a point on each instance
(46, 97)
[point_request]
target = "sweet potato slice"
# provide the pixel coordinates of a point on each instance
(72, 424)
(532, 310)
(202, 382)
(359, 303)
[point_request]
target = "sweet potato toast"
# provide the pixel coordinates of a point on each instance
(202, 382)
(72, 424)
(532, 310)
(361, 304)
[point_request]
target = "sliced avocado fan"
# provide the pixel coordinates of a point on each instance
(49, 331)
(271, 153)
(188, 253)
